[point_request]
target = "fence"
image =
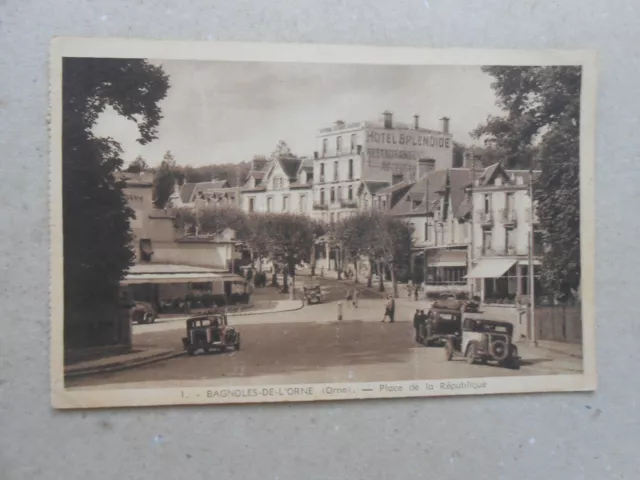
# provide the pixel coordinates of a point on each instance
(562, 323)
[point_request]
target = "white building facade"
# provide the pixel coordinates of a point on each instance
(504, 229)
(382, 152)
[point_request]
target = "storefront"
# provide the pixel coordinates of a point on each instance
(504, 280)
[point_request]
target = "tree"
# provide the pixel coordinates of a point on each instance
(164, 181)
(138, 165)
(290, 238)
(97, 238)
(356, 234)
(216, 219)
(254, 237)
(542, 125)
(281, 150)
(394, 240)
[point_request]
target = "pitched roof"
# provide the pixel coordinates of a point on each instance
(290, 166)
(374, 186)
(425, 191)
(186, 192)
(459, 180)
(306, 164)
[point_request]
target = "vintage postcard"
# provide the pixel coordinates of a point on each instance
(242, 223)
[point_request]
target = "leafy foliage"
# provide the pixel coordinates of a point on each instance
(542, 125)
(97, 250)
(234, 173)
(164, 180)
(138, 165)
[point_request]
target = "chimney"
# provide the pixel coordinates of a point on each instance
(444, 124)
(388, 119)
(416, 121)
(339, 124)
(425, 165)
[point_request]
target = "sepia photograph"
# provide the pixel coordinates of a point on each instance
(247, 223)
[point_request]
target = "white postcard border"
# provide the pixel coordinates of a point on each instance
(73, 398)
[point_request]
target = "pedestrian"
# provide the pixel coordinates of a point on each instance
(422, 320)
(389, 310)
(355, 298)
(349, 297)
(416, 289)
(416, 319)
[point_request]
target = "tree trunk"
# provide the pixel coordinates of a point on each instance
(380, 276)
(355, 271)
(313, 259)
(285, 280)
(338, 263)
(394, 280)
(370, 277)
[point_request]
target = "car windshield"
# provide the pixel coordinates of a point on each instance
(487, 327)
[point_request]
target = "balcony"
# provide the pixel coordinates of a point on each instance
(320, 206)
(348, 203)
(508, 217)
(485, 219)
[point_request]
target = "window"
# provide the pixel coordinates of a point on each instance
(508, 241)
(322, 196)
(339, 145)
(270, 204)
(333, 195)
(322, 172)
(325, 143)
(426, 231)
(353, 142)
(396, 178)
(350, 169)
(384, 204)
(277, 183)
(350, 194)
(285, 203)
(332, 217)
(339, 193)
(486, 241)
(251, 204)
(487, 203)
(338, 216)
(303, 203)
(335, 171)
(509, 202)
(146, 250)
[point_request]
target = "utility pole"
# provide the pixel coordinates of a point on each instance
(473, 216)
(534, 332)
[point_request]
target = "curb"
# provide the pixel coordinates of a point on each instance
(261, 312)
(116, 367)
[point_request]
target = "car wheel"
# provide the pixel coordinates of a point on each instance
(191, 352)
(471, 354)
(448, 350)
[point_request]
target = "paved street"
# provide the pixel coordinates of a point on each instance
(310, 346)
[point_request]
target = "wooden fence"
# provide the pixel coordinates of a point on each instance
(561, 323)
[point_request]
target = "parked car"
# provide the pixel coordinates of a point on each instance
(439, 324)
(312, 293)
(143, 312)
(483, 340)
(210, 331)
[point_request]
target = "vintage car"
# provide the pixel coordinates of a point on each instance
(452, 303)
(439, 324)
(483, 340)
(210, 331)
(143, 312)
(312, 293)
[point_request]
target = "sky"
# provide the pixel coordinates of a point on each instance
(221, 112)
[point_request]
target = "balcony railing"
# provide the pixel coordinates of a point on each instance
(508, 216)
(320, 206)
(485, 218)
(348, 203)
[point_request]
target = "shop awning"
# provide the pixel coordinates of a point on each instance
(491, 268)
(170, 278)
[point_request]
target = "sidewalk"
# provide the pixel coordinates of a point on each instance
(123, 361)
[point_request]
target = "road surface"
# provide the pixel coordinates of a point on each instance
(311, 346)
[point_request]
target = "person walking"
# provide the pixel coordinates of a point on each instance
(416, 325)
(390, 309)
(416, 290)
(355, 298)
